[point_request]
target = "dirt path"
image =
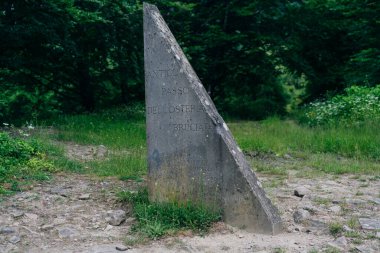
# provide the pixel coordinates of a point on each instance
(71, 213)
(68, 214)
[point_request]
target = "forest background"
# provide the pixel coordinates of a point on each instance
(256, 58)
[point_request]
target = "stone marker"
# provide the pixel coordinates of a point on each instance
(192, 155)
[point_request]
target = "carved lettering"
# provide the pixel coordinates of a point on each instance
(170, 108)
(175, 91)
(193, 127)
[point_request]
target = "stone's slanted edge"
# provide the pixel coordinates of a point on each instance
(272, 223)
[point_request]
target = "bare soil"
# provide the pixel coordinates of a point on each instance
(67, 214)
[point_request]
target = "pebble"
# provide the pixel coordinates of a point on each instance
(15, 239)
(370, 224)
(356, 201)
(365, 249)
(347, 228)
(115, 217)
(301, 215)
(339, 243)
(31, 216)
(17, 214)
(66, 232)
(130, 220)
(85, 196)
(7, 230)
(301, 191)
(122, 248)
(47, 227)
(335, 209)
(376, 201)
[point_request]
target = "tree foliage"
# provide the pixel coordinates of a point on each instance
(81, 55)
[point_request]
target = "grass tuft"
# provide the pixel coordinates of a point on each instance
(155, 220)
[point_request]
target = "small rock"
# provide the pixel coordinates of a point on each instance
(17, 214)
(287, 156)
(301, 215)
(365, 249)
(356, 201)
(47, 227)
(370, 224)
(336, 201)
(339, 243)
(378, 235)
(347, 228)
(59, 191)
(335, 209)
(14, 239)
(31, 216)
(301, 191)
(85, 196)
(109, 227)
(115, 217)
(309, 207)
(66, 232)
(122, 248)
(7, 230)
(130, 220)
(241, 236)
(376, 201)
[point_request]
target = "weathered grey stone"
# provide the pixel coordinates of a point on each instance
(339, 243)
(335, 209)
(301, 215)
(370, 224)
(7, 230)
(301, 191)
(66, 232)
(84, 196)
(14, 239)
(191, 152)
(115, 217)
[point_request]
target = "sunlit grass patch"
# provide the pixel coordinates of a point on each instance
(128, 165)
(155, 220)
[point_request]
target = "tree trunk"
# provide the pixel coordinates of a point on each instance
(86, 90)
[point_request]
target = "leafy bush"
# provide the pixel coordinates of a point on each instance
(20, 160)
(157, 219)
(358, 104)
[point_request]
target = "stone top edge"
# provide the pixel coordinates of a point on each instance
(148, 6)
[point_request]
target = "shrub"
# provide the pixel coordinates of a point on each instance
(356, 105)
(20, 160)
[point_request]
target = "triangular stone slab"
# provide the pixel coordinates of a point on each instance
(192, 155)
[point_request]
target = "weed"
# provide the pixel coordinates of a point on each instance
(322, 201)
(353, 223)
(20, 162)
(335, 228)
(357, 241)
(157, 219)
(331, 250)
(279, 250)
(352, 234)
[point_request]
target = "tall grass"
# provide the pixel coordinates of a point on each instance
(121, 130)
(283, 136)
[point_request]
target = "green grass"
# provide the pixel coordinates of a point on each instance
(21, 162)
(155, 220)
(283, 136)
(335, 150)
(121, 130)
(335, 229)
